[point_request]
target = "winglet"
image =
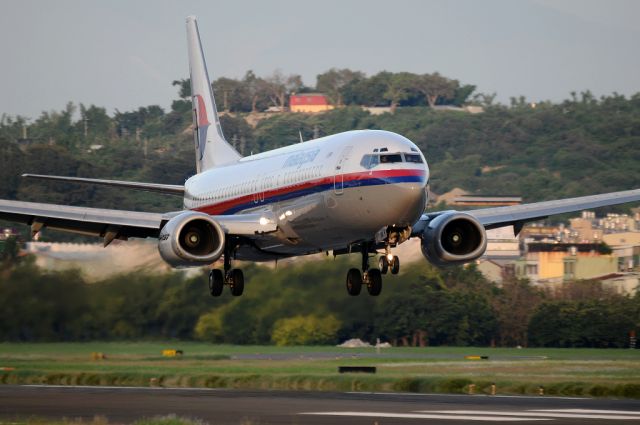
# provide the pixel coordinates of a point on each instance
(212, 149)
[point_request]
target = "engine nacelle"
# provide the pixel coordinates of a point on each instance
(191, 239)
(453, 238)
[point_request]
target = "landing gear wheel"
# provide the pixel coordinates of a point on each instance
(354, 282)
(236, 282)
(374, 284)
(395, 267)
(383, 263)
(216, 282)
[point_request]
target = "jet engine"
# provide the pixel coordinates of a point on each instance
(453, 238)
(191, 239)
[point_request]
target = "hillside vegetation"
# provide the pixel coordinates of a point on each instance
(581, 146)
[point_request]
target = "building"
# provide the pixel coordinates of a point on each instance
(626, 246)
(502, 244)
(544, 263)
(309, 103)
(585, 228)
(613, 223)
(622, 283)
(580, 267)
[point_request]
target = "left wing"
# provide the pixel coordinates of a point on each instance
(518, 215)
(167, 189)
(118, 224)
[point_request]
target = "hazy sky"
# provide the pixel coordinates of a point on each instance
(124, 54)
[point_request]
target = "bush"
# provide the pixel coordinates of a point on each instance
(306, 330)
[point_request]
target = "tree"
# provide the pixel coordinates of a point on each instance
(184, 87)
(515, 304)
(399, 88)
(333, 82)
(279, 85)
(435, 86)
(257, 90)
(368, 91)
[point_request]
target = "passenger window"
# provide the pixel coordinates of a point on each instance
(413, 157)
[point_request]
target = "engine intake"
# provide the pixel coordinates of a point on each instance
(453, 238)
(191, 239)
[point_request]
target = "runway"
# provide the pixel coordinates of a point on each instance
(122, 405)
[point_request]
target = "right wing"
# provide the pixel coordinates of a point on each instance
(518, 215)
(168, 189)
(119, 224)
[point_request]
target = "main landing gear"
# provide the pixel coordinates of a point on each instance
(371, 277)
(234, 278)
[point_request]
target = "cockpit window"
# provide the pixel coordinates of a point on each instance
(369, 161)
(389, 158)
(412, 157)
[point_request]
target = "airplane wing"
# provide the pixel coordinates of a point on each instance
(167, 189)
(518, 215)
(118, 224)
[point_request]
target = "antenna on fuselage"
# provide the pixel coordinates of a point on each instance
(300, 133)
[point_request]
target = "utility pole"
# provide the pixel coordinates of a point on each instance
(86, 127)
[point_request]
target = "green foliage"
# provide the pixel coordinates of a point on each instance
(168, 420)
(305, 330)
(591, 323)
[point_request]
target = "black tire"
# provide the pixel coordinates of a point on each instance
(374, 286)
(237, 282)
(395, 267)
(383, 263)
(354, 282)
(216, 282)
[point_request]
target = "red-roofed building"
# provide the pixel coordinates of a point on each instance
(309, 102)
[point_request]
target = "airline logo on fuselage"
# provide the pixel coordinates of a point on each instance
(298, 159)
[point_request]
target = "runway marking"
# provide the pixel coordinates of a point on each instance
(495, 415)
(467, 395)
(613, 412)
(539, 414)
(426, 416)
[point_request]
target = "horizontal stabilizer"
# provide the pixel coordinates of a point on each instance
(168, 189)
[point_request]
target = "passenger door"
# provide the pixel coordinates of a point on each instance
(338, 176)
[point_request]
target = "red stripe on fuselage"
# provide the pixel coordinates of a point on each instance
(220, 207)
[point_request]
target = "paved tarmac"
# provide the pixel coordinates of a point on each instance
(123, 405)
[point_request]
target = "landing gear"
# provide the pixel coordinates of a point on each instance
(387, 262)
(374, 286)
(236, 282)
(354, 282)
(370, 277)
(216, 282)
(234, 278)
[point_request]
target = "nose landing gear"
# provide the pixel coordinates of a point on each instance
(387, 262)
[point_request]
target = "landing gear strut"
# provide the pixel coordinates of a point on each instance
(370, 277)
(234, 278)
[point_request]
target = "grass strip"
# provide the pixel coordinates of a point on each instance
(323, 383)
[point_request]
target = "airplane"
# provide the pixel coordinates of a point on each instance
(361, 191)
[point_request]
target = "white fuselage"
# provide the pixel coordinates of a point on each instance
(325, 194)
